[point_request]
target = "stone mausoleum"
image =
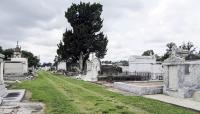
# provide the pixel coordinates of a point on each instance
(181, 77)
(145, 64)
(17, 67)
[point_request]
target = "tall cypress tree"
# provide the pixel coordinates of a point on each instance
(86, 35)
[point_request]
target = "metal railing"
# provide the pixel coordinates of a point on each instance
(132, 76)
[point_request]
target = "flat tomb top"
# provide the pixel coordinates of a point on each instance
(145, 84)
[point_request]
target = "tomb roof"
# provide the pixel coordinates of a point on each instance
(141, 57)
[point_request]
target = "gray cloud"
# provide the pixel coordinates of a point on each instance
(132, 26)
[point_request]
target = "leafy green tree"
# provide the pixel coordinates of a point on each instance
(32, 60)
(189, 46)
(8, 53)
(170, 46)
(1, 50)
(168, 51)
(148, 53)
(86, 35)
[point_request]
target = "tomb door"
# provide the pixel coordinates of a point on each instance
(173, 78)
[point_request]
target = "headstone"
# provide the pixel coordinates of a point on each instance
(93, 69)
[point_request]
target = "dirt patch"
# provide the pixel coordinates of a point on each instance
(27, 96)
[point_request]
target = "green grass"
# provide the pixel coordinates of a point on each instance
(64, 95)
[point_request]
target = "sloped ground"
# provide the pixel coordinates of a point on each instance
(64, 95)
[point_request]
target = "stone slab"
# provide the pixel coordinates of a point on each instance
(22, 108)
(140, 88)
(196, 96)
(14, 95)
(186, 102)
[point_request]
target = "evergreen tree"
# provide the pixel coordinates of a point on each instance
(86, 35)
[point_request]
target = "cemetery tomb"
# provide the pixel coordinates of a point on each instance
(93, 69)
(17, 67)
(140, 87)
(61, 65)
(146, 64)
(181, 78)
(3, 90)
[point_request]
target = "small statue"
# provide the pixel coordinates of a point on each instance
(174, 50)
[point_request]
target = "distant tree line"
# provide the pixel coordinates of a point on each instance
(189, 46)
(46, 64)
(32, 60)
(118, 63)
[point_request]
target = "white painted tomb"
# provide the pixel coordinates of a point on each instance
(140, 87)
(181, 78)
(3, 90)
(61, 65)
(145, 64)
(17, 67)
(93, 69)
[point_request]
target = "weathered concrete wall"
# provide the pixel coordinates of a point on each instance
(157, 68)
(196, 96)
(13, 68)
(14, 71)
(145, 64)
(188, 79)
(24, 62)
(140, 67)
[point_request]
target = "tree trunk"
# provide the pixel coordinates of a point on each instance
(81, 62)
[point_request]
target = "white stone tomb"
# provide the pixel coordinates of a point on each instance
(181, 78)
(3, 90)
(17, 67)
(145, 64)
(93, 69)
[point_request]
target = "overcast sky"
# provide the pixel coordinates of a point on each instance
(132, 26)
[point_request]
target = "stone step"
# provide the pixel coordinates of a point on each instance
(3, 91)
(196, 96)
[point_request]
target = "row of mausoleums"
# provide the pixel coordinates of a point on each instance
(181, 78)
(178, 77)
(11, 100)
(144, 65)
(16, 68)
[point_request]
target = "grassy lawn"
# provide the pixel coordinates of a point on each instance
(64, 95)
